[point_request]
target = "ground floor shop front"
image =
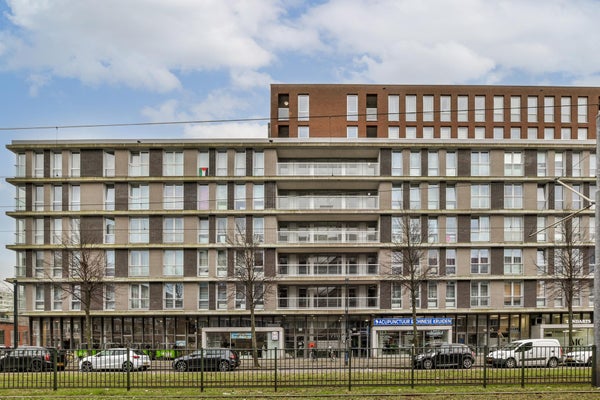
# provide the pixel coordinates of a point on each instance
(298, 334)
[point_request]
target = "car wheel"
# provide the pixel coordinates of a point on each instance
(589, 362)
(510, 363)
(553, 362)
(86, 366)
(467, 363)
(181, 366)
(36, 365)
(427, 364)
(223, 366)
(127, 366)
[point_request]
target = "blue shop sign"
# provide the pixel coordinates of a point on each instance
(408, 321)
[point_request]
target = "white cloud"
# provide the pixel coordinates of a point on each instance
(230, 130)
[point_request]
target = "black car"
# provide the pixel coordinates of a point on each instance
(33, 358)
(208, 360)
(445, 355)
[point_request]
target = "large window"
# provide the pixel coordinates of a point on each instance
(352, 107)
(480, 196)
(513, 293)
(173, 230)
(513, 164)
(139, 163)
(480, 163)
(480, 294)
(173, 263)
(450, 197)
(139, 230)
(397, 200)
(432, 294)
(240, 197)
(513, 229)
(221, 229)
(203, 197)
(240, 163)
(428, 108)
(548, 109)
(173, 197)
(498, 108)
(38, 198)
(221, 263)
(139, 263)
(582, 110)
(75, 164)
(393, 108)
(109, 163)
(75, 198)
(451, 230)
(450, 261)
(411, 108)
(109, 297)
(109, 197)
(259, 163)
(139, 197)
(303, 107)
(203, 296)
(532, 109)
(139, 296)
(173, 163)
(513, 195)
(396, 295)
(221, 163)
(433, 196)
(20, 167)
(56, 165)
(451, 163)
(221, 197)
(445, 108)
(415, 163)
(480, 261)
(515, 109)
(203, 229)
(173, 296)
(109, 230)
(415, 197)
(397, 163)
(433, 163)
(203, 263)
(513, 262)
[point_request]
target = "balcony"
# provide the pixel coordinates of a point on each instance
(327, 169)
(327, 236)
(327, 303)
(328, 202)
(322, 270)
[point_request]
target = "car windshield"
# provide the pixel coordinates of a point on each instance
(512, 346)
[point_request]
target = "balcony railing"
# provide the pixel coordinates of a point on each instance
(327, 169)
(330, 236)
(327, 270)
(332, 303)
(328, 202)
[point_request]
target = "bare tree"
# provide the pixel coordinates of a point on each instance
(568, 270)
(85, 282)
(252, 285)
(409, 268)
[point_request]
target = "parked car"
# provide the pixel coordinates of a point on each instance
(444, 355)
(116, 359)
(527, 352)
(579, 356)
(208, 359)
(33, 358)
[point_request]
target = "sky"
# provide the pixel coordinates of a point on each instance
(85, 62)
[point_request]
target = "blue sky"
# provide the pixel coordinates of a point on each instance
(81, 62)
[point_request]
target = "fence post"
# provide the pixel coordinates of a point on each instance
(129, 368)
(595, 383)
(412, 366)
(201, 369)
(275, 372)
(55, 369)
(485, 353)
(522, 370)
(349, 363)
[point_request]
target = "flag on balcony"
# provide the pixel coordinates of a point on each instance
(203, 171)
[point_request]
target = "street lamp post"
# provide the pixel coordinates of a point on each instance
(15, 313)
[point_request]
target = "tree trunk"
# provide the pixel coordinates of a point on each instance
(254, 341)
(414, 320)
(88, 330)
(570, 312)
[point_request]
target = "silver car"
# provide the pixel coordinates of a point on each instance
(580, 356)
(116, 359)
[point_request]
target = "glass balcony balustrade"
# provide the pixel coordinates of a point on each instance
(327, 269)
(327, 236)
(332, 303)
(328, 169)
(328, 202)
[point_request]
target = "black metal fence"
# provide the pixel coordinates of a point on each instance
(274, 368)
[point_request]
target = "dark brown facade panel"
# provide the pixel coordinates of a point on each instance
(464, 228)
(156, 162)
(529, 228)
(121, 196)
(270, 263)
(156, 229)
(530, 294)
(385, 162)
(190, 195)
(463, 290)
(121, 263)
(92, 163)
(270, 195)
(385, 229)
(497, 261)
(464, 162)
(497, 195)
(530, 163)
(385, 295)
(156, 296)
(190, 263)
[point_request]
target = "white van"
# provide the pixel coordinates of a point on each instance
(527, 352)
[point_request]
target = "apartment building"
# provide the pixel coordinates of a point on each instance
(485, 171)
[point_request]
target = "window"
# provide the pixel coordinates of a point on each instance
(109, 297)
(203, 197)
(445, 108)
(20, 199)
(173, 230)
(303, 132)
(548, 109)
(57, 295)
(109, 230)
(576, 167)
(549, 133)
(428, 108)
(75, 164)
(173, 197)
(513, 262)
(109, 197)
(57, 265)
(480, 261)
(397, 227)
(432, 294)
(415, 163)
(139, 230)
(203, 163)
(480, 163)
(480, 294)
(565, 109)
(240, 197)
(433, 261)
(411, 108)
(393, 108)
(221, 296)
(462, 109)
(480, 229)
(38, 231)
(428, 132)
(240, 228)
(515, 109)
(532, 133)
(513, 164)
(433, 196)
(479, 108)
(352, 132)
(498, 133)
(221, 229)
(258, 227)
(393, 132)
(432, 230)
(75, 198)
(371, 107)
(20, 166)
(576, 200)
(173, 163)
(463, 132)
(415, 197)
(75, 297)
(513, 229)
(565, 133)
(240, 163)
(541, 230)
(109, 163)
(480, 132)
(450, 197)
(259, 163)
(139, 263)
(303, 107)
(410, 132)
(56, 165)
(258, 192)
(39, 297)
(480, 196)
(542, 169)
(433, 163)
(396, 163)
(139, 197)
(203, 296)
(582, 107)
(221, 263)
(221, 197)
(173, 263)
(75, 224)
(221, 163)
(352, 107)
(498, 108)
(451, 163)
(38, 165)
(203, 263)
(451, 229)
(371, 131)
(38, 198)
(450, 261)
(397, 197)
(110, 263)
(513, 195)
(38, 264)
(559, 200)
(396, 295)
(203, 230)
(532, 109)
(139, 296)
(513, 293)
(139, 163)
